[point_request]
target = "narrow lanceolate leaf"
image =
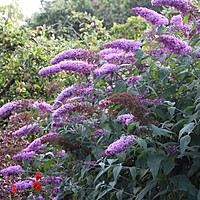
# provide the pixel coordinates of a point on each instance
(184, 141)
(187, 129)
(116, 171)
(153, 162)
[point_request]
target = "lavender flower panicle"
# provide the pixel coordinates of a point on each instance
(49, 135)
(43, 106)
(184, 6)
(76, 66)
(126, 45)
(62, 111)
(40, 198)
(151, 16)
(110, 51)
(54, 69)
(83, 89)
(54, 180)
(119, 145)
(133, 80)
(176, 20)
(24, 185)
(126, 118)
(171, 149)
(120, 58)
(24, 156)
(17, 169)
(33, 146)
(175, 45)
(27, 129)
(6, 109)
(105, 69)
(98, 132)
(71, 54)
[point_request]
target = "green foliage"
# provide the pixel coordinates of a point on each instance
(132, 29)
(163, 162)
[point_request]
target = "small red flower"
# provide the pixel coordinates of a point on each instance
(38, 176)
(37, 186)
(14, 189)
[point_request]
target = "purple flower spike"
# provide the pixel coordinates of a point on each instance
(110, 51)
(33, 146)
(151, 16)
(24, 156)
(62, 111)
(119, 145)
(126, 118)
(82, 89)
(24, 185)
(6, 109)
(99, 132)
(76, 66)
(54, 69)
(43, 106)
(105, 69)
(54, 180)
(28, 129)
(71, 54)
(126, 45)
(175, 45)
(17, 169)
(177, 20)
(171, 149)
(184, 6)
(40, 198)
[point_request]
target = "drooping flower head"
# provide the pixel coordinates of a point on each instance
(43, 106)
(81, 89)
(24, 185)
(71, 54)
(98, 132)
(176, 20)
(119, 145)
(126, 118)
(184, 6)
(110, 51)
(105, 69)
(27, 129)
(16, 169)
(54, 69)
(174, 44)
(124, 44)
(151, 16)
(24, 156)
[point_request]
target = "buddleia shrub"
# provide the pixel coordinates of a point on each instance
(128, 128)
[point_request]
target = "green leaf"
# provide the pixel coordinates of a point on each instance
(142, 143)
(171, 111)
(168, 165)
(184, 141)
(101, 173)
(116, 171)
(153, 162)
(111, 161)
(104, 192)
(119, 194)
(120, 87)
(182, 183)
(160, 30)
(198, 195)
(160, 132)
(133, 172)
(148, 188)
(187, 129)
(139, 54)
